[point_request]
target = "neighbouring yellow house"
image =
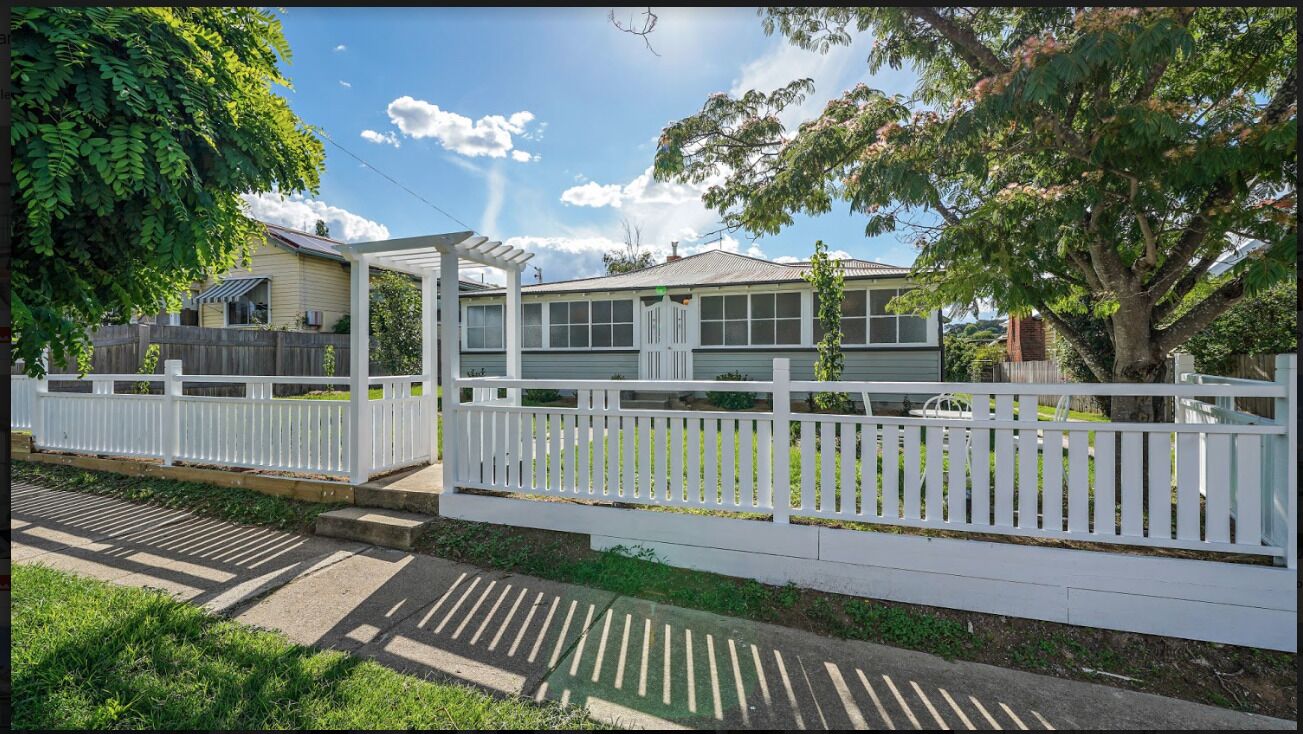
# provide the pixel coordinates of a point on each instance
(293, 280)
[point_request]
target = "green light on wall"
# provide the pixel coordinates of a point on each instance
(661, 290)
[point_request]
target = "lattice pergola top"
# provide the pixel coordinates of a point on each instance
(422, 255)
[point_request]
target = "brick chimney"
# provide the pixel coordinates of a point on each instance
(1026, 339)
(674, 253)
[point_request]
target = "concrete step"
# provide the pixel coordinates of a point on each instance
(389, 528)
(424, 501)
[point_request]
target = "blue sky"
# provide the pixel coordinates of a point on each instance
(538, 125)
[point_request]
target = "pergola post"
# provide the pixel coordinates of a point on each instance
(451, 336)
(359, 370)
(430, 357)
(511, 322)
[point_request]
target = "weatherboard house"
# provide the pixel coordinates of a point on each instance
(697, 317)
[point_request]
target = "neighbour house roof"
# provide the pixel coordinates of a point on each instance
(313, 245)
(710, 268)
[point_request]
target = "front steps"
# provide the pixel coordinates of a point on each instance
(388, 528)
(652, 400)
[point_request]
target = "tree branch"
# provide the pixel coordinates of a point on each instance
(648, 25)
(966, 43)
(1087, 355)
(1199, 317)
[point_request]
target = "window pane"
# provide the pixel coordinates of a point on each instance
(762, 332)
(712, 307)
(578, 312)
(601, 335)
(622, 312)
(493, 318)
(789, 305)
(474, 338)
(493, 338)
(913, 329)
(601, 312)
(622, 335)
(762, 306)
(558, 313)
(735, 332)
(558, 336)
(878, 300)
(531, 314)
(853, 303)
(735, 307)
(578, 336)
(531, 337)
(853, 331)
(818, 330)
(788, 331)
(474, 316)
(712, 333)
(882, 330)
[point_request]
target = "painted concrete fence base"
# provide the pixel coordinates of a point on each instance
(1202, 600)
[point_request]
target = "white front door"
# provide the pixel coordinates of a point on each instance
(666, 341)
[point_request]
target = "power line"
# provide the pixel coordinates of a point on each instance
(391, 179)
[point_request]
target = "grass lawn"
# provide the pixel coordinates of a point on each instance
(375, 393)
(92, 655)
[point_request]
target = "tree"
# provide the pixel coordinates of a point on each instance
(396, 323)
(827, 278)
(632, 257)
(135, 131)
(1092, 162)
(321, 228)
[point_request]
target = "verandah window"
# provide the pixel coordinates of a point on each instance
(866, 320)
(759, 319)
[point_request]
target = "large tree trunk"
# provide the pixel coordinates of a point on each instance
(1135, 359)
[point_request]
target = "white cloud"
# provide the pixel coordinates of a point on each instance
(299, 212)
(345, 84)
(341, 47)
(380, 138)
(490, 135)
(834, 254)
(523, 157)
(594, 194)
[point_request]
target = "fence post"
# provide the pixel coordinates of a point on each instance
(171, 410)
(782, 441)
(1287, 415)
(40, 388)
(1182, 364)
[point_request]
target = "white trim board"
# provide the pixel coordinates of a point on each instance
(1203, 600)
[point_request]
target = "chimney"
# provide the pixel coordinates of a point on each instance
(674, 253)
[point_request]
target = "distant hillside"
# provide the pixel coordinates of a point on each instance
(988, 327)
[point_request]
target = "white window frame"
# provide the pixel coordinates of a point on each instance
(929, 321)
(750, 317)
(546, 323)
(226, 311)
(465, 326)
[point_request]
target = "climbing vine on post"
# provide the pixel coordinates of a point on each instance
(827, 277)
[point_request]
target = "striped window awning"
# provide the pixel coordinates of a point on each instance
(228, 291)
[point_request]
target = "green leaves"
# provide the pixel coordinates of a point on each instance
(135, 131)
(1077, 162)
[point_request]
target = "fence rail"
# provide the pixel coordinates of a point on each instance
(253, 429)
(1213, 484)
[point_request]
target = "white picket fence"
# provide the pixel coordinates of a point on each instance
(1211, 485)
(253, 431)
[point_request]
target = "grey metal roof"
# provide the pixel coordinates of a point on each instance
(712, 267)
(228, 290)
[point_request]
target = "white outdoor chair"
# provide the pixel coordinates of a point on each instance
(868, 404)
(936, 407)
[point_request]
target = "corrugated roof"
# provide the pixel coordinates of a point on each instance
(713, 267)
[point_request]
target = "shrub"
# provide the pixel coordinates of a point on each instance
(466, 393)
(328, 361)
(147, 367)
(541, 395)
(732, 400)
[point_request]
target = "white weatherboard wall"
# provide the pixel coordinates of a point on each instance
(1202, 600)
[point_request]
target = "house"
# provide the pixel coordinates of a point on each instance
(293, 280)
(698, 317)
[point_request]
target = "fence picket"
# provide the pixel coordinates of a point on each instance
(1004, 463)
(980, 465)
(1052, 480)
(694, 461)
(1217, 463)
(1105, 494)
(728, 463)
(847, 500)
(1160, 485)
(827, 480)
(746, 482)
(932, 506)
(912, 457)
(1028, 484)
(1188, 471)
(1248, 489)
(890, 472)
(1078, 482)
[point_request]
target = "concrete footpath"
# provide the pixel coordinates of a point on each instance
(631, 662)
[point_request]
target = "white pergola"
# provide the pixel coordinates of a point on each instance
(436, 260)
